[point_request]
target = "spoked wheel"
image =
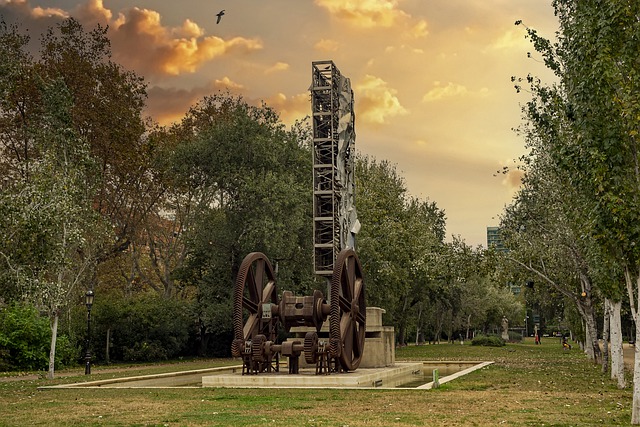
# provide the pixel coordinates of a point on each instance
(348, 311)
(255, 286)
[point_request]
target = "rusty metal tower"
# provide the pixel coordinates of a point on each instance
(335, 220)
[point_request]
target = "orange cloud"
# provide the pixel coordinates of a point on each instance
(451, 90)
(22, 7)
(143, 43)
(448, 91)
(169, 105)
(278, 66)
(290, 108)
(511, 39)
(375, 101)
(365, 13)
(93, 12)
(420, 29)
(327, 45)
(227, 83)
(374, 13)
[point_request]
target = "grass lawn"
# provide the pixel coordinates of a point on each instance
(529, 385)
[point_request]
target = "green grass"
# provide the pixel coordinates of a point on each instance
(528, 385)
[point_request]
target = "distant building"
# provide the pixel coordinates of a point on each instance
(494, 239)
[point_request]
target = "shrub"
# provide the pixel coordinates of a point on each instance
(515, 336)
(24, 338)
(141, 328)
(488, 341)
(66, 352)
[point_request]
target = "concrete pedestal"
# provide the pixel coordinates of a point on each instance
(379, 342)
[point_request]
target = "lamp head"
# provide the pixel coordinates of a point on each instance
(88, 299)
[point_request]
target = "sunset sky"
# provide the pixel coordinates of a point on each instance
(432, 78)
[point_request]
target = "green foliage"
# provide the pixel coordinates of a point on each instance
(574, 224)
(24, 338)
(66, 352)
(488, 341)
(248, 184)
(515, 337)
(144, 327)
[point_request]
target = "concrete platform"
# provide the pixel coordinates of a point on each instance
(362, 377)
(405, 375)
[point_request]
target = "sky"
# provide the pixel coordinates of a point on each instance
(431, 78)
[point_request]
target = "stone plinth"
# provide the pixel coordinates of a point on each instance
(379, 342)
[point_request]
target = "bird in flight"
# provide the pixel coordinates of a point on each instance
(219, 15)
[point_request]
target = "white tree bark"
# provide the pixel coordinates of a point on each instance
(634, 295)
(605, 336)
(635, 412)
(617, 356)
(52, 351)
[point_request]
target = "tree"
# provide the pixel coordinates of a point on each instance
(595, 60)
(106, 110)
(543, 233)
(249, 190)
(397, 242)
(52, 215)
(19, 101)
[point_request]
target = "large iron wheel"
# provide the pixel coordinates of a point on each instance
(255, 286)
(348, 310)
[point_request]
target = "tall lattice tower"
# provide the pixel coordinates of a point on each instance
(335, 220)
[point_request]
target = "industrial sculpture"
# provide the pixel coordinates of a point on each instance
(257, 312)
(257, 315)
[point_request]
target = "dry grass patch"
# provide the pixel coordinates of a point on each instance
(527, 386)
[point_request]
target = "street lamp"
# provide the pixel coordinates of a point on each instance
(88, 300)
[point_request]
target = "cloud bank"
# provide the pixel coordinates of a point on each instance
(139, 38)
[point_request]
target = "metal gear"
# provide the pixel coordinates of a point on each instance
(255, 286)
(257, 348)
(348, 311)
(311, 348)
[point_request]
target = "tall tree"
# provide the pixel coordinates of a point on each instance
(51, 216)
(398, 241)
(19, 102)
(106, 111)
(595, 59)
(250, 182)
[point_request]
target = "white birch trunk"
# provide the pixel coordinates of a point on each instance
(617, 356)
(52, 351)
(605, 336)
(635, 412)
(634, 295)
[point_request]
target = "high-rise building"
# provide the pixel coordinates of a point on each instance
(494, 239)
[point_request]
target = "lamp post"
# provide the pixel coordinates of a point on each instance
(88, 300)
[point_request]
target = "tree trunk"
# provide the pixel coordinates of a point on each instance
(633, 289)
(402, 326)
(52, 350)
(418, 325)
(401, 332)
(591, 347)
(106, 350)
(605, 337)
(635, 412)
(617, 356)
(468, 326)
